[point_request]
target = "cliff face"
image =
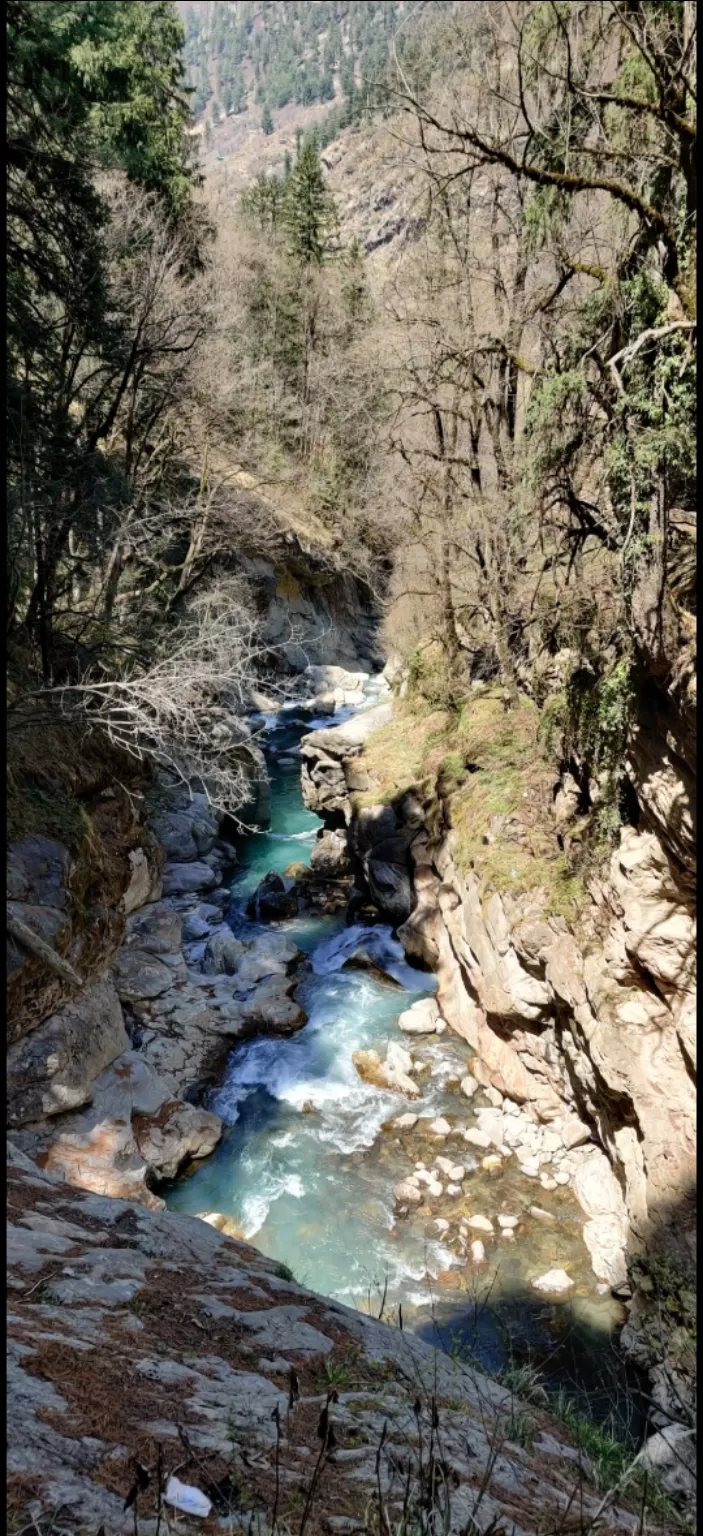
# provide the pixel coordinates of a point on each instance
(579, 1011)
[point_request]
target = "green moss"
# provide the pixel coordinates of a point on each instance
(32, 812)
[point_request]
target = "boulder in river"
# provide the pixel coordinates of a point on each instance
(274, 898)
(384, 1074)
(422, 1018)
(272, 1010)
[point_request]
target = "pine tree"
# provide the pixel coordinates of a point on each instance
(287, 165)
(354, 287)
(310, 214)
(267, 121)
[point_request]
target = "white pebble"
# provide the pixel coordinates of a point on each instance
(480, 1223)
(478, 1252)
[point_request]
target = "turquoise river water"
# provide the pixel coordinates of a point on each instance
(306, 1172)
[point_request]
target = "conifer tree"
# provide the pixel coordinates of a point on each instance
(310, 214)
(267, 121)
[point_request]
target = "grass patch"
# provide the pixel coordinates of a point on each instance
(487, 767)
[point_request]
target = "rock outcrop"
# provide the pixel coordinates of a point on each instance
(329, 764)
(150, 1345)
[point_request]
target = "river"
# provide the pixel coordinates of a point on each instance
(306, 1171)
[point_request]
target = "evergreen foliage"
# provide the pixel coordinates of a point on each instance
(90, 87)
(296, 51)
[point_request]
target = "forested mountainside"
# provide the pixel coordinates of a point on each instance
(352, 372)
(244, 57)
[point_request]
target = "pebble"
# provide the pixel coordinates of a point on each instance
(439, 1127)
(494, 1097)
(477, 1138)
(508, 1222)
(478, 1252)
(469, 1086)
(509, 1234)
(530, 1167)
(444, 1164)
(453, 1189)
(536, 1210)
(562, 1176)
(405, 1122)
(492, 1161)
(555, 1280)
(407, 1191)
(441, 1224)
(546, 1182)
(435, 1190)
(480, 1223)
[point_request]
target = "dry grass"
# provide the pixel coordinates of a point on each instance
(486, 769)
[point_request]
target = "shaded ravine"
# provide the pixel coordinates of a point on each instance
(305, 1171)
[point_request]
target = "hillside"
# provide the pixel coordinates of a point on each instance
(351, 845)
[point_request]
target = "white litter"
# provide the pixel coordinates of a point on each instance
(190, 1500)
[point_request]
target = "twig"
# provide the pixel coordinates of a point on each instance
(31, 941)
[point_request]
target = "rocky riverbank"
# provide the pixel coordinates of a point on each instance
(581, 1033)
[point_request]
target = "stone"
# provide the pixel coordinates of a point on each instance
(477, 1251)
(405, 1122)
(453, 1190)
(469, 1086)
(529, 1166)
(441, 1224)
(38, 871)
(271, 1009)
(536, 1210)
(223, 953)
(477, 1138)
(52, 1070)
(397, 1059)
(439, 1127)
(274, 899)
(669, 1456)
(574, 1133)
(330, 855)
(435, 1189)
(407, 1193)
(140, 975)
(156, 930)
(494, 1097)
(421, 1019)
(596, 1187)
(606, 1238)
(383, 1075)
(554, 1282)
(479, 1223)
(175, 1135)
(179, 879)
(492, 1161)
(144, 881)
(491, 1121)
(507, 1223)
(105, 1161)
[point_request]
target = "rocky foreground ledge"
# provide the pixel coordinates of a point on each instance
(148, 1351)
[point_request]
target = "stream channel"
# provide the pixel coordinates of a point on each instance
(306, 1172)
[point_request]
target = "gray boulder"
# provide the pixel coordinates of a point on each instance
(181, 878)
(223, 953)
(53, 1069)
(139, 975)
